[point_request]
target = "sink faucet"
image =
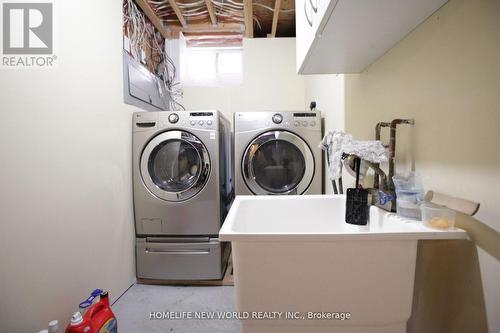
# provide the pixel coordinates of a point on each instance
(381, 192)
(383, 189)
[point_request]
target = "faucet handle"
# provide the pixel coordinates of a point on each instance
(382, 197)
(385, 197)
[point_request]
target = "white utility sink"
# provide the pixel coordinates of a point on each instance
(296, 255)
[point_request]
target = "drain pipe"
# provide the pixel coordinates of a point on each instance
(378, 129)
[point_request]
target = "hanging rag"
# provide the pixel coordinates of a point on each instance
(337, 142)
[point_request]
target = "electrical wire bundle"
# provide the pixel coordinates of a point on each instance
(168, 74)
(227, 10)
(141, 34)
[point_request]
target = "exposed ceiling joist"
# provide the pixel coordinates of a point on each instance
(205, 28)
(178, 12)
(248, 13)
(221, 27)
(211, 12)
(149, 12)
(259, 19)
(277, 8)
(212, 35)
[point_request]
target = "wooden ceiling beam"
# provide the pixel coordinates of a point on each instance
(178, 12)
(211, 11)
(248, 13)
(205, 28)
(194, 34)
(148, 11)
(215, 36)
(277, 7)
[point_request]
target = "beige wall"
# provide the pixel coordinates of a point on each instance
(445, 75)
(328, 93)
(65, 181)
(269, 81)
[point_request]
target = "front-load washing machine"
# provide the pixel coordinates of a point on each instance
(277, 153)
(182, 169)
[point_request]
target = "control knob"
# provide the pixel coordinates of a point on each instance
(173, 118)
(277, 118)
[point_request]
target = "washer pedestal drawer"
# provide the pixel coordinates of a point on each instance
(178, 258)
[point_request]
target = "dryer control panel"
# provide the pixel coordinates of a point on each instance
(305, 119)
(300, 120)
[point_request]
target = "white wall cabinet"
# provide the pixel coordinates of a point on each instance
(346, 36)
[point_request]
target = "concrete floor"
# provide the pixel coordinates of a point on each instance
(134, 307)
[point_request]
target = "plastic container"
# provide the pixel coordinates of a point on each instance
(101, 316)
(79, 324)
(54, 326)
(409, 195)
(97, 319)
(438, 217)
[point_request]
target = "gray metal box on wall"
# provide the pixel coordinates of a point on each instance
(141, 87)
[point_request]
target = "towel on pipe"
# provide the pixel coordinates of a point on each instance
(337, 142)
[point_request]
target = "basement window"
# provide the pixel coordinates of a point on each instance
(211, 66)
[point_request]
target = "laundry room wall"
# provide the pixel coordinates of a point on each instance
(445, 75)
(270, 81)
(328, 93)
(66, 223)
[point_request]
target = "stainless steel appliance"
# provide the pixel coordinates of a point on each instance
(182, 169)
(277, 153)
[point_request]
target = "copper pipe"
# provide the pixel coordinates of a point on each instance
(378, 171)
(378, 129)
(392, 147)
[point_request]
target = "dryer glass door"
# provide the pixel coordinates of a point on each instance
(278, 162)
(175, 165)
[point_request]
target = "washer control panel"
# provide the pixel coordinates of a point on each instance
(202, 119)
(183, 119)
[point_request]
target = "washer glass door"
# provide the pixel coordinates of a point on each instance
(278, 162)
(175, 165)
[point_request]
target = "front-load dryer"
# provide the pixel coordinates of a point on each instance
(276, 153)
(182, 192)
